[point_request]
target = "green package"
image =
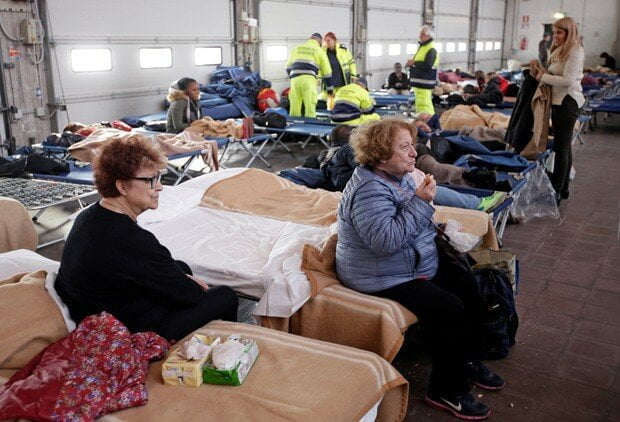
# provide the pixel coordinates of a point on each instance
(236, 376)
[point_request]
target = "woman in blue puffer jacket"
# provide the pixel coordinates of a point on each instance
(386, 247)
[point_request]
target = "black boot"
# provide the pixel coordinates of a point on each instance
(483, 179)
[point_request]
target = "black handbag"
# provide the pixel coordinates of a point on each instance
(451, 261)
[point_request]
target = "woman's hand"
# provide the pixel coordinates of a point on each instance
(534, 69)
(427, 189)
(200, 282)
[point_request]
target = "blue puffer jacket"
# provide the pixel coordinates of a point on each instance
(385, 234)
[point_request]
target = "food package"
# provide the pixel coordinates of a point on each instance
(184, 365)
(236, 356)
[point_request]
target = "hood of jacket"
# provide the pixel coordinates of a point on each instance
(174, 93)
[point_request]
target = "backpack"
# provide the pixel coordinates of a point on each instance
(274, 120)
(499, 316)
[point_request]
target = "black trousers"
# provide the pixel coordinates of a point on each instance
(563, 118)
(449, 311)
(221, 302)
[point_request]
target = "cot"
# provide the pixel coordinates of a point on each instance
(318, 131)
(383, 99)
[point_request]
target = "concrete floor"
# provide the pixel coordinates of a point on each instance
(565, 365)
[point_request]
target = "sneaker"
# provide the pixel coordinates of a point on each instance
(490, 202)
(483, 179)
(463, 406)
(480, 375)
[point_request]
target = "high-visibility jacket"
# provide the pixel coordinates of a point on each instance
(347, 64)
(309, 59)
(350, 102)
(424, 70)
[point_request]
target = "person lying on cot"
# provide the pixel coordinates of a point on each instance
(109, 263)
(386, 247)
(184, 98)
(340, 163)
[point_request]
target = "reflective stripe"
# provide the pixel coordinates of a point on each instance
(301, 72)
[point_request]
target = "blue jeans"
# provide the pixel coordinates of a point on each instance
(451, 198)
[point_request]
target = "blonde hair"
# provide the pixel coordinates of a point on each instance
(572, 38)
(372, 142)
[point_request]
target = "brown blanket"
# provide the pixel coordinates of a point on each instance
(16, 228)
(541, 108)
(207, 127)
(464, 115)
(258, 192)
(31, 322)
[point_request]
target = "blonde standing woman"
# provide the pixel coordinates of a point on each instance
(564, 76)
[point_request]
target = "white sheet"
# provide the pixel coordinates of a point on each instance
(257, 256)
(24, 261)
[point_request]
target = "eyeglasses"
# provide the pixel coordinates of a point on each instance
(153, 181)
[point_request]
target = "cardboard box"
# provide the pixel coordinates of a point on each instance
(235, 376)
(177, 370)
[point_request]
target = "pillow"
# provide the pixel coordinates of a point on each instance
(31, 319)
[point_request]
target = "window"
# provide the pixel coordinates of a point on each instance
(375, 50)
(394, 49)
(277, 53)
(479, 46)
(91, 59)
(412, 48)
(204, 56)
(497, 45)
(488, 45)
(439, 47)
(462, 46)
(151, 58)
(450, 47)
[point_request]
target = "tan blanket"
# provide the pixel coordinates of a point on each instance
(88, 149)
(207, 127)
(294, 378)
(16, 228)
(31, 319)
(541, 108)
(185, 142)
(258, 192)
(464, 115)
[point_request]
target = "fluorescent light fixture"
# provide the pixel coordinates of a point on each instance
(559, 15)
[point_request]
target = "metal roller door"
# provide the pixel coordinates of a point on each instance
(284, 24)
(393, 28)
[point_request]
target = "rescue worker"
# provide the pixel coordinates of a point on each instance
(423, 74)
(344, 70)
(303, 67)
(353, 104)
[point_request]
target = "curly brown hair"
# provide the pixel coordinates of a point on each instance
(121, 158)
(372, 143)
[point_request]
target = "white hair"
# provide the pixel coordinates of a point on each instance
(427, 30)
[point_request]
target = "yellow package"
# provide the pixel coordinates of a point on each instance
(178, 370)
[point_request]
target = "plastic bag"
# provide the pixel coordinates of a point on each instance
(461, 241)
(536, 199)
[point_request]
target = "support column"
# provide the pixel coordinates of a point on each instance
(473, 34)
(360, 34)
(428, 12)
(246, 35)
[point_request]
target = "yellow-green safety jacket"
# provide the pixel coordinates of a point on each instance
(309, 59)
(347, 64)
(423, 73)
(351, 102)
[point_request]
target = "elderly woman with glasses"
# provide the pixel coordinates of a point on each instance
(111, 264)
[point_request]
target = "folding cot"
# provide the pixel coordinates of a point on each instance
(318, 131)
(383, 99)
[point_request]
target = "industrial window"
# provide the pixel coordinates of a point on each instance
(450, 47)
(462, 46)
(412, 48)
(277, 53)
(204, 56)
(497, 45)
(439, 47)
(375, 50)
(479, 46)
(488, 45)
(394, 49)
(91, 59)
(151, 58)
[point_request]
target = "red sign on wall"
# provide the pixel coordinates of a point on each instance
(14, 53)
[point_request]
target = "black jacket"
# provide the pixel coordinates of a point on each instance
(519, 130)
(338, 168)
(490, 95)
